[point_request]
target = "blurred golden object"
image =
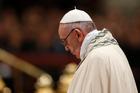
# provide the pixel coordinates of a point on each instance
(3, 88)
(44, 84)
(20, 64)
(7, 90)
(2, 84)
(66, 78)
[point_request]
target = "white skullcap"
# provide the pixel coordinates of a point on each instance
(75, 15)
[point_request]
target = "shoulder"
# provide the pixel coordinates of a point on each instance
(97, 60)
(105, 51)
(102, 55)
(99, 53)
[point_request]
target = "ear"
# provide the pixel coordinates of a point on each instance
(79, 35)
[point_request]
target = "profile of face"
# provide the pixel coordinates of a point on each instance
(72, 39)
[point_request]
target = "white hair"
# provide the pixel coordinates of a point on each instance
(83, 25)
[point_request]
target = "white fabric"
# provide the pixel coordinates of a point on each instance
(75, 15)
(87, 41)
(91, 40)
(104, 70)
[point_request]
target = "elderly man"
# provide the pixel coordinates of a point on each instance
(104, 67)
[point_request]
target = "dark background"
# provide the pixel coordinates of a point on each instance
(28, 29)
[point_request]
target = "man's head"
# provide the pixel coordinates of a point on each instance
(73, 28)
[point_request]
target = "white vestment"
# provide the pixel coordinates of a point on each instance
(104, 67)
